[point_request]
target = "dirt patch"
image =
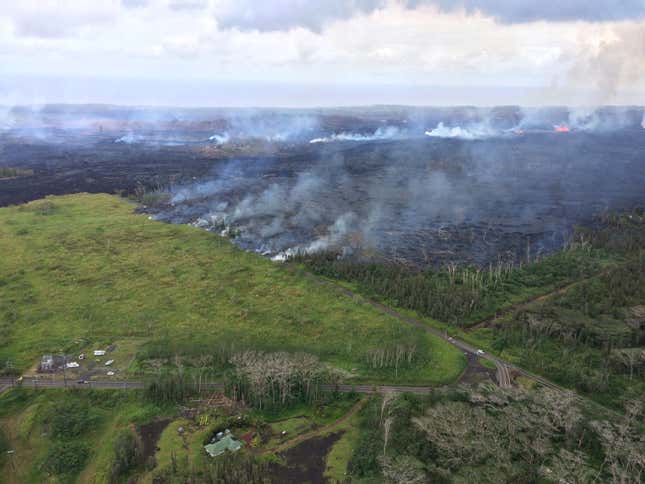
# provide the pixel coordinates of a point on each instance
(150, 434)
(305, 462)
(475, 372)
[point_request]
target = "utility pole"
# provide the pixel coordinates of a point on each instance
(65, 370)
(11, 453)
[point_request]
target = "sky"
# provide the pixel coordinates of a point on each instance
(322, 53)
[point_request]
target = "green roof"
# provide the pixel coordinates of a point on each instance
(222, 445)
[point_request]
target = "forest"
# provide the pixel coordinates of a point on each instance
(486, 434)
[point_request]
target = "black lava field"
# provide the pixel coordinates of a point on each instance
(424, 186)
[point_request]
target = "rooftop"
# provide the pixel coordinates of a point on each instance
(225, 443)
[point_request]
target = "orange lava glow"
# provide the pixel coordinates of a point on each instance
(561, 129)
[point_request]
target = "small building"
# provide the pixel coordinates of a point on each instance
(99, 352)
(226, 443)
(51, 363)
(46, 363)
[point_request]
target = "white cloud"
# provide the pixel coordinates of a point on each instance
(300, 41)
(58, 18)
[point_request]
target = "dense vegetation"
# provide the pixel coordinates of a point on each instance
(276, 379)
(194, 308)
(105, 439)
(458, 295)
(85, 270)
(591, 337)
(70, 435)
(128, 453)
(492, 435)
(168, 388)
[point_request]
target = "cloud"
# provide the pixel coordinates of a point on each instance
(57, 19)
(188, 5)
(289, 14)
(307, 14)
(358, 51)
(521, 11)
(613, 62)
(134, 3)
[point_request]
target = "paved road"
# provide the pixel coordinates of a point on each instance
(139, 385)
(5, 386)
(504, 368)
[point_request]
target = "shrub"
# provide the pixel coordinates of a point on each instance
(170, 388)
(128, 453)
(4, 442)
(66, 457)
(69, 418)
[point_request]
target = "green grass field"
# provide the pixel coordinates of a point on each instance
(82, 271)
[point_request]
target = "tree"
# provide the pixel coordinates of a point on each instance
(66, 457)
(623, 444)
(275, 378)
(128, 453)
(403, 470)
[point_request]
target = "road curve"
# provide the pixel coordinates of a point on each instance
(504, 368)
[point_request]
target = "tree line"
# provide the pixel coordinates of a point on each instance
(269, 380)
(452, 293)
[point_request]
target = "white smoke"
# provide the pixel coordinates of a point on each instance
(272, 127)
(220, 139)
(7, 118)
(643, 121)
(337, 235)
(198, 190)
(388, 132)
(129, 139)
(472, 132)
(592, 119)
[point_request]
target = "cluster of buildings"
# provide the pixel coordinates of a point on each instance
(53, 363)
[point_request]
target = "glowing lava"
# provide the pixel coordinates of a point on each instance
(561, 128)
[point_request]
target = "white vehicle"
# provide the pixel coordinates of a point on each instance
(99, 352)
(480, 352)
(109, 362)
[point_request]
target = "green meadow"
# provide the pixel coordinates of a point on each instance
(80, 272)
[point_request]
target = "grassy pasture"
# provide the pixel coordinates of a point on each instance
(83, 271)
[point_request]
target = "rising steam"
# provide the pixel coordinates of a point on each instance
(476, 131)
(389, 132)
(426, 198)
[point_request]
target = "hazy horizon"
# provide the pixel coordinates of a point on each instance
(290, 53)
(253, 94)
